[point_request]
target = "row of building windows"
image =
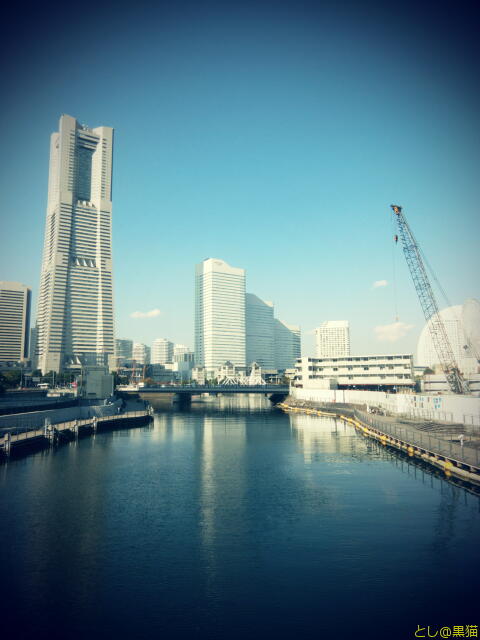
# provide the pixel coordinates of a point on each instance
(365, 368)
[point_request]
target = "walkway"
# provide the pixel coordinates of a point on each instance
(50, 432)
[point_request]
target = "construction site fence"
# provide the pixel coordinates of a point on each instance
(448, 449)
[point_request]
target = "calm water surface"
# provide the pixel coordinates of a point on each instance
(233, 519)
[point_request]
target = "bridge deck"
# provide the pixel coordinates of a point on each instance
(264, 389)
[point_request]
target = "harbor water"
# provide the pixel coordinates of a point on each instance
(233, 519)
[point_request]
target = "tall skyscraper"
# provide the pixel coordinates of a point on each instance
(14, 321)
(162, 351)
(259, 331)
(332, 339)
(287, 344)
(219, 314)
(75, 308)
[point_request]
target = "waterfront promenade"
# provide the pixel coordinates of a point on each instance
(64, 431)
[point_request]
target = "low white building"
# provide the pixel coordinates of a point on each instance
(199, 375)
(367, 372)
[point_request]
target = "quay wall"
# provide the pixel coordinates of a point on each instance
(36, 419)
(441, 408)
(456, 461)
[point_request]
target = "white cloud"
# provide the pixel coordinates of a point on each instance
(146, 314)
(392, 332)
(380, 283)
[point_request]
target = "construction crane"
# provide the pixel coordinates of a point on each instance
(428, 303)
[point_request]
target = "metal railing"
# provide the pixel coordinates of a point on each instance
(16, 436)
(464, 454)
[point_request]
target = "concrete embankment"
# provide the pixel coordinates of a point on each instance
(455, 460)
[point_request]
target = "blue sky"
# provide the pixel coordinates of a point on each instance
(271, 135)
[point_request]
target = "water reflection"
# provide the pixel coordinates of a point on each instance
(233, 516)
(328, 438)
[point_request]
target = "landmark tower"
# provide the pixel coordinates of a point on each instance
(75, 307)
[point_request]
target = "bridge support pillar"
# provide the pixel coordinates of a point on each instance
(182, 399)
(275, 398)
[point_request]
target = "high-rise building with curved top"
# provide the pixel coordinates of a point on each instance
(219, 314)
(75, 307)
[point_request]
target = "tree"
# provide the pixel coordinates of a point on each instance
(10, 379)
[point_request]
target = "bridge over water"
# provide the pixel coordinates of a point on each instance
(184, 393)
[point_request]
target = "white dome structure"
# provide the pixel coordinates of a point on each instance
(462, 324)
(471, 326)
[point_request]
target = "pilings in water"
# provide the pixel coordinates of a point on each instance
(50, 432)
(452, 468)
(7, 444)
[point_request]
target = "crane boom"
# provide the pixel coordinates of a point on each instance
(429, 306)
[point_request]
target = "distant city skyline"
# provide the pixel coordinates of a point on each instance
(274, 138)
